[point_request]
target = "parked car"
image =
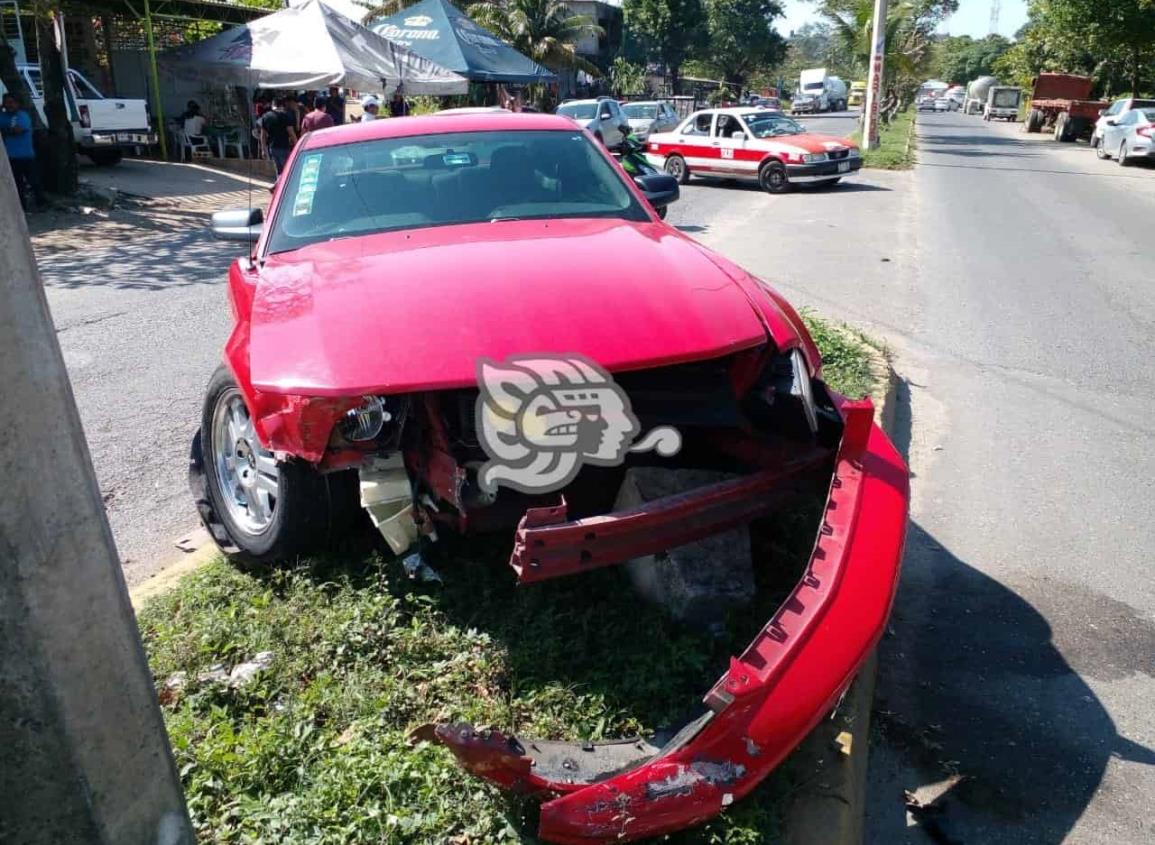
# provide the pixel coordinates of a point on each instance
(104, 127)
(395, 325)
(943, 104)
(1114, 112)
(603, 117)
(648, 116)
(1129, 137)
(760, 146)
(925, 102)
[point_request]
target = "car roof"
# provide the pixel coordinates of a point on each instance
(435, 124)
(740, 110)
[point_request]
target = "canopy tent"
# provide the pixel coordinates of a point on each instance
(312, 46)
(438, 30)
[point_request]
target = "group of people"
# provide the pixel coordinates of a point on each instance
(282, 120)
(16, 129)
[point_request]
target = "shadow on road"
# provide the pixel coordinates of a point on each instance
(1116, 173)
(140, 248)
(975, 697)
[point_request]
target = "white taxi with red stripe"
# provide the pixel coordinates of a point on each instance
(757, 144)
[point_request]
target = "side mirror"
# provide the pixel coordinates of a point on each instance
(1102, 112)
(660, 189)
(238, 224)
(738, 136)
(1112, 122)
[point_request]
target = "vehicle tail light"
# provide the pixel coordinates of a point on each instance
(85, 119)
(1146, 131)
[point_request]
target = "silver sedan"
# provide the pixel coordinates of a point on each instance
(1129, 137)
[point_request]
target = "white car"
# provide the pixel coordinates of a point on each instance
(757, 145)
(1114, 112)
(647, 117)
(603, 117)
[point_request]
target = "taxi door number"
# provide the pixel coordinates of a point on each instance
(727, 153)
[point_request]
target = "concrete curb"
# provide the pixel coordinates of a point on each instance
(167, 579)
(829, 803)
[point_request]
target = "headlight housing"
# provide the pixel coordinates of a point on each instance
(811, 158)
(365, 421)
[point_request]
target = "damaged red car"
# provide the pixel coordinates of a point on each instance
(478, 323)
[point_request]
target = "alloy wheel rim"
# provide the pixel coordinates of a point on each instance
(246, 472)
(674, 168)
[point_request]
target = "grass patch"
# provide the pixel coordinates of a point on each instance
(315, 749)
(848, 356)
(896, 147)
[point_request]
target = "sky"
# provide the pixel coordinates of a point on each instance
(972, 18)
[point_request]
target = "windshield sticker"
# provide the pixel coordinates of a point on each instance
(539, 418)
(307, 186)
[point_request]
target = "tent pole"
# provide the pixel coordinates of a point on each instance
(155, 82)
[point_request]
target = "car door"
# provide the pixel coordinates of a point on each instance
(669, 117)
(729, 140)
(1112, 113)
(1113, 136)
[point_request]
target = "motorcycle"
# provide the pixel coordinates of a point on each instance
(632, 157)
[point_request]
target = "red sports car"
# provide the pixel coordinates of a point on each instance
(476, 321)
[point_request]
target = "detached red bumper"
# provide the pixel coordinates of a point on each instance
(785, 681)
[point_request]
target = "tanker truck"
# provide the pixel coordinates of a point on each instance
(977, 94)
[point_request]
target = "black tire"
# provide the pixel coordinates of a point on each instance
(773, 179)
(676, 166)
(1064, 128)
(1100, 149)
(1123, 155)
(1034, 121)
(105, 158)
(307, 506)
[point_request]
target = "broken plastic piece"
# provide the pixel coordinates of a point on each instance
(387, 496)
(844, 742)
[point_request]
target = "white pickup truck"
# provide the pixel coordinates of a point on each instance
(103, 126)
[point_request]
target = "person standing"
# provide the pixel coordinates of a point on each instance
(398, 106)
(336, 106)
(16, 128)
(278, 133)
(370, 105)
(318, 118)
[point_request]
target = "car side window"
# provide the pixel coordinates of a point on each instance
(699, 124)
(1116, 107)
(727, 126)
(1129, 118)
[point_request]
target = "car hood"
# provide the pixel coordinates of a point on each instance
(415, 310)
(811, 143)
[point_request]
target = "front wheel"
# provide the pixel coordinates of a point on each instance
(259, 510)
(676, 167)
(773, 179)
(1123, 155)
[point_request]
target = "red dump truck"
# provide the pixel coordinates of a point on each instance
(1059, 104)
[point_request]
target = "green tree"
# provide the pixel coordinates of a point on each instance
(1119, 35)
(962, 58)
(627, 78)
(374, 9)
(544, 30)
(742, 38)
(814, 45)
(669, 31)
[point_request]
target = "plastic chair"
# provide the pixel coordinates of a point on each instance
(231, 140)
(197, 146)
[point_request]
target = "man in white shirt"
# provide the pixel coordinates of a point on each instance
(369, 108)
(194, 121)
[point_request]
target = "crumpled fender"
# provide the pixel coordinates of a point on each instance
(289, 425)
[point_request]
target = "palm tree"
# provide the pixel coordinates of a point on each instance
(544, 30)
(907, 41)
(381, 8)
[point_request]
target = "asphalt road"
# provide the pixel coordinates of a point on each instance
(1010, 277)
(139, 305)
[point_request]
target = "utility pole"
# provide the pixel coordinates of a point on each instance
(874, 83)
(83, 752)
